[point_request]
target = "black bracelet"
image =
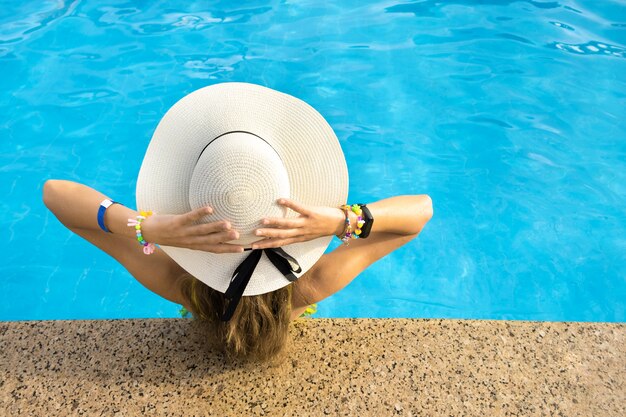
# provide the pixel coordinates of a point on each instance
(369, 221)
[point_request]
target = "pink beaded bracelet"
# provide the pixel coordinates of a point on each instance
(148, 248)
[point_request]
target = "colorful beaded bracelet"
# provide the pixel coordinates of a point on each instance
(347, 231)
(357, 210)
(148, 248)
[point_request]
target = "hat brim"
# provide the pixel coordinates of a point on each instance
(305, 142)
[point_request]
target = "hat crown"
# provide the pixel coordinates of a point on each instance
(240, 176)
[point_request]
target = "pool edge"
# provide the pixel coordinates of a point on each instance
(334, 367)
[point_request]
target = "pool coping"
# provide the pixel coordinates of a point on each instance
(346, 367)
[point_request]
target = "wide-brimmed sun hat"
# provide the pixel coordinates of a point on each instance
(238, 148)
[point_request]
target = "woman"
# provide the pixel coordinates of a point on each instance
(248, 310)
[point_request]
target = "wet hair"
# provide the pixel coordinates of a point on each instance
(258, 329)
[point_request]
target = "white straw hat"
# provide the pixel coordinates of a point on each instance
(238, 148)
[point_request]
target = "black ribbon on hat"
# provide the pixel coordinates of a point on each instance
(284, 262)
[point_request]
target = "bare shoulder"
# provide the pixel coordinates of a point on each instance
(301, 294)
(334, 270)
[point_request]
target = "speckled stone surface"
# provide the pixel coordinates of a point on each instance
(346, 367)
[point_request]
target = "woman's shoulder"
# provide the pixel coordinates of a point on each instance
(336, 269)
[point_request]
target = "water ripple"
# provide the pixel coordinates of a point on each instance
(562, 25)
(489, 120)
(590, 48)
(16, 30)
(77, 98)
(515, 38)
(433, 7)
(197, 21)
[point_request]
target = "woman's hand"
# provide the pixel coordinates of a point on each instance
(314, 222)
(180, 231)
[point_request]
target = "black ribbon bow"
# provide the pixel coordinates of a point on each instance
(284, 262)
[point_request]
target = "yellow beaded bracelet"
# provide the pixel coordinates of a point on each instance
(348, 233)
(360, 222)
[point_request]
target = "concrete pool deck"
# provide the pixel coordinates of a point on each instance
(347, 367)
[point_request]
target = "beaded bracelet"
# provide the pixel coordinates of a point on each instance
(357, 210)
(148, 248)
(347, 231)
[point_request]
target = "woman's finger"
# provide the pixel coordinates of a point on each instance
(222, 237)
(196, 214)
(278, 233)
(211, 239)
(300, 208)
(207, 228)
(284, 223)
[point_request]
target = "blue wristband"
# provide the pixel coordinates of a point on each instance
(103, 207)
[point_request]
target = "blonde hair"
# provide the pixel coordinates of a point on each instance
(259, 327)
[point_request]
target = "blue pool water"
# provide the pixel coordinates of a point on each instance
(509, 114)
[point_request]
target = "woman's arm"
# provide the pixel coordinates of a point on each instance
(76, 206)
(397, 221)
(403, 215)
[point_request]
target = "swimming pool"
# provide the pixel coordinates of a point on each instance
(510, 115)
